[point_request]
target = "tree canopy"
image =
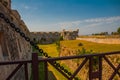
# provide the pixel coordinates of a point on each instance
(118, 30)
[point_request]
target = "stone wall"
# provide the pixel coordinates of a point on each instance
(50, 37)
(45, 37)
(12, 45)
(69, 35)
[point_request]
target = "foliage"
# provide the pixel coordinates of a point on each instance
(58, 46)
(114, 33)
(84, 51)
(95, 59)
(80, 44)
(41, 72)
(95, 63)
(58, 43)
(118, 30)
(102, 33)
(61, 38)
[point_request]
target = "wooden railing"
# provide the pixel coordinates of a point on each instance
(88, 57)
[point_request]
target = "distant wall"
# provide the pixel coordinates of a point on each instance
(106, 41)
(51, 37)
(45, 37)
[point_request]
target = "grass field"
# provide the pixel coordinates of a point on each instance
(73, 44)
(52, 51)
(96, 47)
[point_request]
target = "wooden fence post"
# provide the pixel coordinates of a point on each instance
(35, 66)
(90, 68)
(98, 73)
(46, 70)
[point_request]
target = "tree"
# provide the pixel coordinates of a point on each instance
(118, 30)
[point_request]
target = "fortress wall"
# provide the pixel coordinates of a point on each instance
(12, 45)
(45, 37)
(51, 37)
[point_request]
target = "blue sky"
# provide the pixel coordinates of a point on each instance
(89, 16)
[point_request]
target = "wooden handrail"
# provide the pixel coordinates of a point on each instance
(58, 58)
(88, 57)
(79, 56)
(14, 62)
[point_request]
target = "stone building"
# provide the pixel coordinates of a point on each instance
(69, 35)
(12, 45)
(50, 37)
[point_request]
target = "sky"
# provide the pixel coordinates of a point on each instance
(89, 16)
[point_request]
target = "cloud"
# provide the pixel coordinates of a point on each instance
(86, 26)
(104, 19)
(67, 25)
(90, 22)
(28, 7)
(24, 6)
(85, 23)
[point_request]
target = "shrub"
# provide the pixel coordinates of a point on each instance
(80, 44)
(61, 38)
(58, 46)
(84, 51)
(118, 30)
